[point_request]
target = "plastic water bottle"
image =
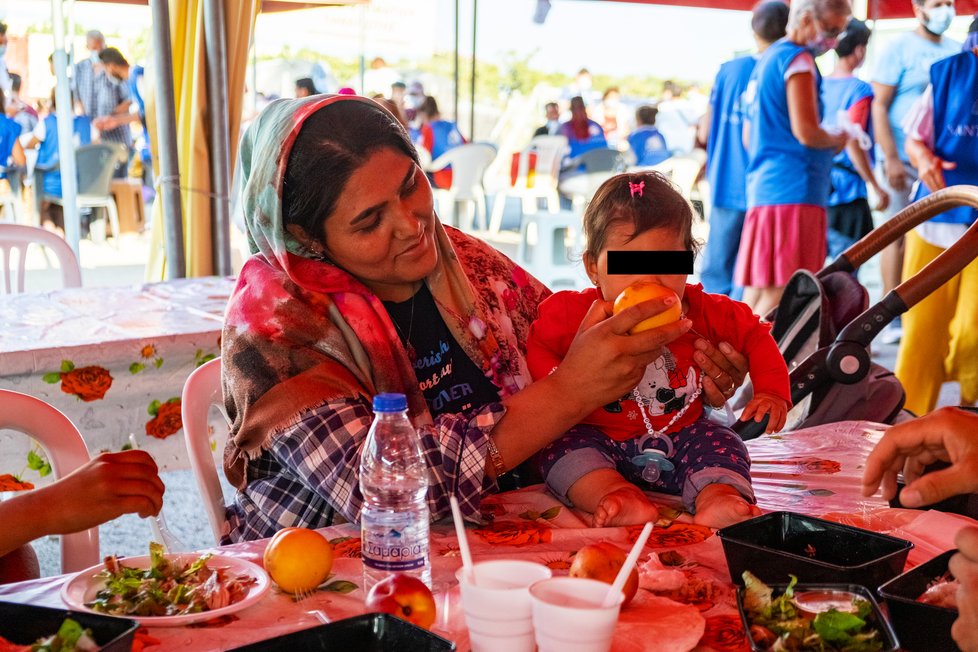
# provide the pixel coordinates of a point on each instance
(394, 482)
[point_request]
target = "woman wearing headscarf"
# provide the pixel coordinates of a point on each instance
(355, 289)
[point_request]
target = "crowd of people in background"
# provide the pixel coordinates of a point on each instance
(106, 106)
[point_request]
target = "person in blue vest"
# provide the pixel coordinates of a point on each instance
(45, 138)
(789, 156)
(849, 215)
(940, 342)
(899, 77)
(646, 142)
(726, 156)
(583, 134)
(12, 157)
(438, 136)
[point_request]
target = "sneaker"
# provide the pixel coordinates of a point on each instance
(892, 333)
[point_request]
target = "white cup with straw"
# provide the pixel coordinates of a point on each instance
(496, 598)
(575, 614)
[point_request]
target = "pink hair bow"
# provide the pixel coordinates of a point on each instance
(636, 188)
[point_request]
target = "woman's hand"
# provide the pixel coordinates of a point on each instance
(104, 488)
(724, 370)
(964, 567)
(930, 169)
(896, 175)
(604, 361)
(945, 435)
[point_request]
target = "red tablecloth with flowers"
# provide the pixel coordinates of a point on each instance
(814, 471)
(113, 359)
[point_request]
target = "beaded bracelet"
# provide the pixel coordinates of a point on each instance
(495, 458)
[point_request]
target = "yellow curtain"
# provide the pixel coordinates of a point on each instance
(190, 91)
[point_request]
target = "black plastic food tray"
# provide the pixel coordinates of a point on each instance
(367, 633)
(920, 626)
(24, 624)
(877, 619)
(780, 544)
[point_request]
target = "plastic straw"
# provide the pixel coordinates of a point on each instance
(463, 541)
(626, 568)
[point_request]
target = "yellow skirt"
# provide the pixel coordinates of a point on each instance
(940, 334)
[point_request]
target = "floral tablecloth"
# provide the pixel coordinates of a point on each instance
(815, 471)
(113, 359)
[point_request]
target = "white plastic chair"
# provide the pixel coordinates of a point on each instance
(66, 451)
(469, 163)
(18, 237)
(200, 392)
(543, 249)
(549, 151)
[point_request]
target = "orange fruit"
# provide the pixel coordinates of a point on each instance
(298, 559)
(645, 291)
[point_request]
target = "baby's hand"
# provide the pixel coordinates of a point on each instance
(767, 404)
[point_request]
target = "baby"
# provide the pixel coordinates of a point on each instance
(656, 437)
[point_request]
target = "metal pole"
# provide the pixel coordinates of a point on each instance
(475, 20)
(166, 125)
(455, 74)
(362, 70)
(66, 138)
(215, 40)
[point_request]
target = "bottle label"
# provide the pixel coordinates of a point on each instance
(387, 551)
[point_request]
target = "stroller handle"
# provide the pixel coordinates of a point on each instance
(911, 216)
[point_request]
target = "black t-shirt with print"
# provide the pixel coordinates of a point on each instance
(448, 378)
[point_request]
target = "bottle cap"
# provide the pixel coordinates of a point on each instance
(390, 403)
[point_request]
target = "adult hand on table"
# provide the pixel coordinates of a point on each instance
(605, 362)
(945, 435)
(964, 567)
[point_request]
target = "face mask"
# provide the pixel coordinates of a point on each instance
(821, 45)
(3, 50)
(93, 57)
(116, 78)
(939, 19)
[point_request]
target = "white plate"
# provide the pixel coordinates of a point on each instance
(82, 587)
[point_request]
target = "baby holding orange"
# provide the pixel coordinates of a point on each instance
(657, 436)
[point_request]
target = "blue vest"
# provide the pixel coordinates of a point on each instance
(445, 136)
(726, 158)
(576, 147)
(9, 132)
(841, 95)
(47, 152)
(782, 170)
(955, 84)
(649, 145)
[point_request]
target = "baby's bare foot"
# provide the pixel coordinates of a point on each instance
(722, 506)
(626, 505)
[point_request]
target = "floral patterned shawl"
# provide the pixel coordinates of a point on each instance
(300, 332)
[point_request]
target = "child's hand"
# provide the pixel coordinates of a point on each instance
(767, 404)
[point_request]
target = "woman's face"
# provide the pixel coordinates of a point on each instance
(382, 230)
(618, 237)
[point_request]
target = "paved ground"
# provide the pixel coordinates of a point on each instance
(105, 264)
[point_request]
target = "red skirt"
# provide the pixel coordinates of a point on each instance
(777, 241)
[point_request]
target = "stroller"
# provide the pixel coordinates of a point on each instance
(824, 324)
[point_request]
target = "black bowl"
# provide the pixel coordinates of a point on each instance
(920, 626)
(776, 545)
(24, 623)
(876, 618)
(367, 633)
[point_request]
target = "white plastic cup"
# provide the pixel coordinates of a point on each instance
(497, 607)
(568, 616)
